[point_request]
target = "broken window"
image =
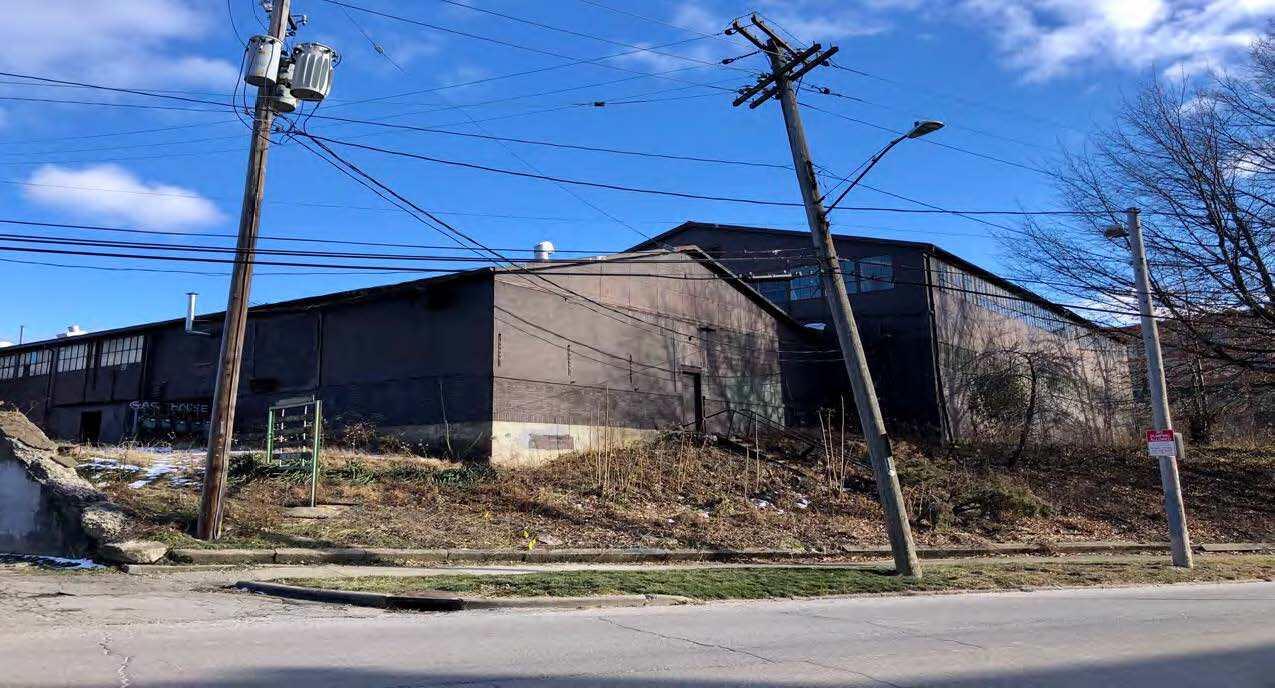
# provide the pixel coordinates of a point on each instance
(38, 362)
(75, 357)
(121, 351)
(8, 367)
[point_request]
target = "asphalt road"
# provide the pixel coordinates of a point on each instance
(125, 631)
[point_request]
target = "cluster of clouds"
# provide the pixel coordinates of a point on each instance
(122, 42)
(129, 43)
(1040, 40)
(1047, 39)
(153, 44)
(112, 193)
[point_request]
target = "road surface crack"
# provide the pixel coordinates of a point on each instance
(914, 634)
(122, 672)
(664, 636)
(896, 629)
(844, 670)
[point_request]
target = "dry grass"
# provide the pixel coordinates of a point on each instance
(675, 493)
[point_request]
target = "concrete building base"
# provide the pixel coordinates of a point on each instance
(530, 444)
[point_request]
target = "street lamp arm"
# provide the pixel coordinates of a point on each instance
(871, 163)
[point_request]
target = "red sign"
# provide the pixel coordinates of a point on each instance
(1161, 443)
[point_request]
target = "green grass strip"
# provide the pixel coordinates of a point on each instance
(766, 582)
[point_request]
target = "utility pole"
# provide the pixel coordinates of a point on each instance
(788, 65)
(1161, 418)
(221, 424)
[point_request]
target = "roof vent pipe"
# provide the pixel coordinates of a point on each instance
(191, 297)
(543, 251)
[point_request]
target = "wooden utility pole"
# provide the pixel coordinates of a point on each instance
(1161, 418)
(788, 65)
(222, 422)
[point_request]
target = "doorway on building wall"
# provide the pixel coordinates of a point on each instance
(692, 400)
(90, 427)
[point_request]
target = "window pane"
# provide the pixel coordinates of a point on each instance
(38, 362)
(805, 285)
(876, 274)
(73, 358)
(121, 351)
(776, 291)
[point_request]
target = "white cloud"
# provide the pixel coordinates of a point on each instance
(114, 193)
(122, 42)
(1045, 39)
(803, 21)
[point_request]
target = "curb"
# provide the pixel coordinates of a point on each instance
(386, 556)
(448, 602)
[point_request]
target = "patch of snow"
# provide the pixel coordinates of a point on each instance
(49, 562)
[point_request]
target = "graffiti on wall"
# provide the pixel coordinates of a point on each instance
(169, 420)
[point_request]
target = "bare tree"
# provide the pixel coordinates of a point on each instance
(1199, 160)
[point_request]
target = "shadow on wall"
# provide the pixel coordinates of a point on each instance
(1241, 667)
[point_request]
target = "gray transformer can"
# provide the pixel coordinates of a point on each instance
(264, 55)
(313, 64)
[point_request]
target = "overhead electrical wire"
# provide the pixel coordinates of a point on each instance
(516, 268)
(563, 180)
(438, 224)
(517, 46)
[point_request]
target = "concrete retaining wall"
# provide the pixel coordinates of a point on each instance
(42, 501)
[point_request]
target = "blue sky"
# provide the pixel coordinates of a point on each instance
(1018, 81)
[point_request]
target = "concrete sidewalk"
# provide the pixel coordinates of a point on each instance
(228, 574)
(416, 557)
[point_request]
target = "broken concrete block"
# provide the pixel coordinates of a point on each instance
(41, 500)
(103, 522)
(132, 552)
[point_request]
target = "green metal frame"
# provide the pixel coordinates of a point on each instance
(311, 435)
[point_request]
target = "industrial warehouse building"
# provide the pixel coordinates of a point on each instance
(517, 363)
(698, 327)
(944, 338)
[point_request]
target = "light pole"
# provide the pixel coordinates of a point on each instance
(1161, 418)
(787, 67)
(919, 129)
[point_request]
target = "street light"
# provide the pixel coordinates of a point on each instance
(919, 128)
(923, 127)
(1115, 232)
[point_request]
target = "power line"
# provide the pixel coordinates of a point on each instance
(556, 144)
(510, 44)
(940, 144)
(572, 32)
(514, 266)
(964, 101)
(449, 230)
(562, 180)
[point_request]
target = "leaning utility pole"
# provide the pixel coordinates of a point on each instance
(788, 65)
(1174, 512)
(221, 424)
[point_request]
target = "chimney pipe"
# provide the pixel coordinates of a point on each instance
(190, 314)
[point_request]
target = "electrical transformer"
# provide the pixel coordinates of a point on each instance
(264, 54)
(284, 101)
(312, 70)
